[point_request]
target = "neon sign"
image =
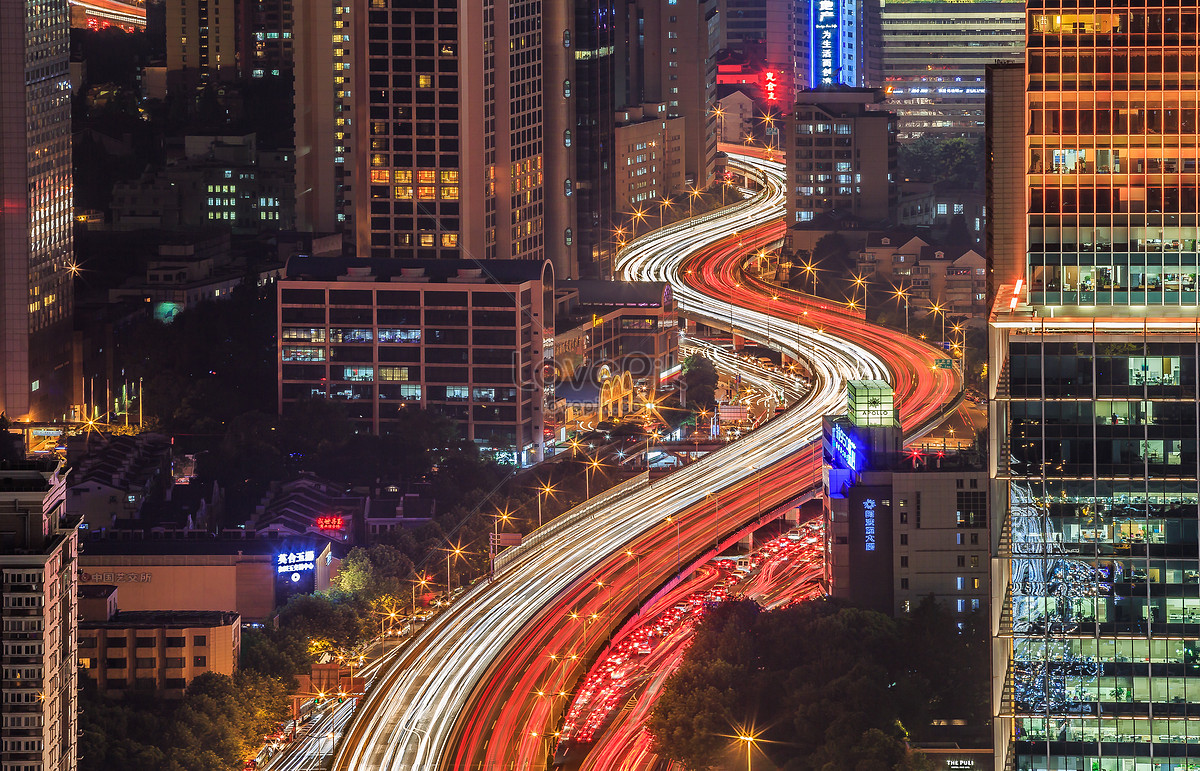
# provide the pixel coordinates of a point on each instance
(826, 22)
(869, 524)
(844, 449)
(770, 83)
(296, 562)
(331, 523)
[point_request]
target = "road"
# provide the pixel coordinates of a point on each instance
(463, 695)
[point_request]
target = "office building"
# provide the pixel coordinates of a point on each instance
(39, 550)
(934, 56)
(202, 42)
(35, 229)
(649, 159)
(267, 44)
(900, 525)
(152, 650)
(453, 99)
(1004, 179)
(1093, 379)
(460, 337)
(841, 155)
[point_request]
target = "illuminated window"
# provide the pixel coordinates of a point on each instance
(449, 239)
(404, 192)
(404, 177)
(424, 81)
(427, 193)
(427, 239)
(393, 373)
(382, 176)
(450, 193)
(427, 176)
(377, 160)
(449, 177)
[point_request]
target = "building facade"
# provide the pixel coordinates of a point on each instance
(934, 57)
(39, 550)
(159, 651)
(1095, 347)
(455, 128)
(900, 526)
(841, 155)
(462, 338)
(649, 155)
(36, 257)
(202, 41)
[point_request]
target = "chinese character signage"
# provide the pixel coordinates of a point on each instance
(771, 85)
(869, 524)
(331, 523)
(296, 561)
(845, 449)
(826, 23)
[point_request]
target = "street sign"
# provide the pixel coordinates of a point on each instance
(945, 364)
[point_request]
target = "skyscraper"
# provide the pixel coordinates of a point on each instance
(454, 126)
(934, 55)
(1095, 412)
(35, 218)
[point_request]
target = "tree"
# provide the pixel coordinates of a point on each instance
(700, 380)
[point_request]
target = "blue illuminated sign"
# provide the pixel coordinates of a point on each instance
(826, 56)
(869, 524)
(845, 450)
(296, 561)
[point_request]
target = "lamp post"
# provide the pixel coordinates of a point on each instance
(423, 581)
(693, 194)
(900, 293)
(545, 489)
(940, 310)
(675, 521)
(810, 268)
(592, 465)
(455, 552)
(637, 589)
(750, 741)
(860, 282)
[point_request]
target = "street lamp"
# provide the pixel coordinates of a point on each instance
(421, 581)
(860, 282)
(545, 489)
(455, 552)
(592, 465)
(693, 194)
(940, 310)
(900, 293)
(750, 740)
(810, 268)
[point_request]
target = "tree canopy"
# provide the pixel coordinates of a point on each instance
(827, 686)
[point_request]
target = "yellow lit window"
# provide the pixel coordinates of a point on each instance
(449, 177)
(404, 192)
(376, 128)
(382, 176)
(427, 193)
(404, 176)
(449, 239)
(450, 192)
(427, 176)
(427, 239)
(340, 121)
(377, 160)
(379, 3)
(424, 81)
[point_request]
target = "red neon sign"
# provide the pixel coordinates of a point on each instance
(770, 83)
(331, 523)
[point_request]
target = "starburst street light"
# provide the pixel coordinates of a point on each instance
(545, 489)
(900, 293)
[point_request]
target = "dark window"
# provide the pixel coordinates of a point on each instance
(303, 297)
(175, 662)
(903, 583)
(962, 561)
(114, 663)
(200, 661)
(145, 642)
(350, 297)
(175, 682)
(904, 562)
(904, 539)
(176, 642)
(117, 642)
(200, 640)
(303, 315)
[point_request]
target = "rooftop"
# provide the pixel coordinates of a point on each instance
(169, 619)
(304, 268)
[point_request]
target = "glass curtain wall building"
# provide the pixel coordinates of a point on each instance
(1095, 429)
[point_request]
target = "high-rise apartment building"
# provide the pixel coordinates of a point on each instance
(934, 55)
(841, 155)
(1095, 348)
(268, 38)
(39, 569)
(36, 219)
(669, 56)
(837, 43)
(453, 130)
(202, 41)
